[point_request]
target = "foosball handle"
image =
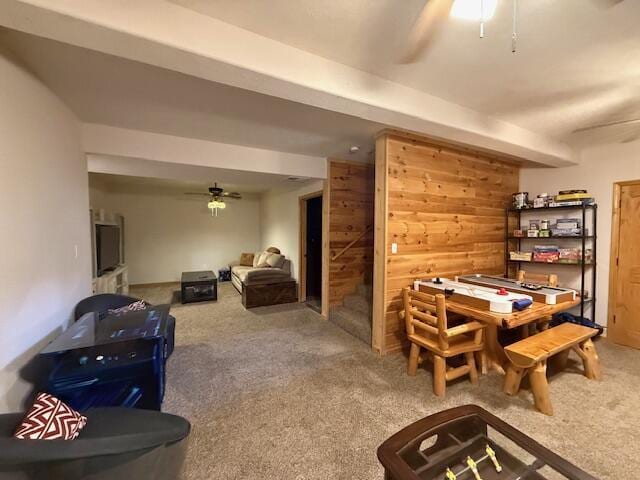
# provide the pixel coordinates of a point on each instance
(474, 468)
(492, 455)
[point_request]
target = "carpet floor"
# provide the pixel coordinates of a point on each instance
(279, 393)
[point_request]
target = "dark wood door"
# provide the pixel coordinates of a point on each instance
(314, 248)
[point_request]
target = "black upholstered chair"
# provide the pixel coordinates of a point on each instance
(116, 443)
(103, 302)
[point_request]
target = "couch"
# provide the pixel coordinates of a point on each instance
(261, 284)
(116, 443)
(246, 275)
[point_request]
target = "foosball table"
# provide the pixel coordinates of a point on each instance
(469, 443)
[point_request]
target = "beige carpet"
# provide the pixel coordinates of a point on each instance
(279, 393)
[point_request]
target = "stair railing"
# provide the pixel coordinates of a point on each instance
(351, 243)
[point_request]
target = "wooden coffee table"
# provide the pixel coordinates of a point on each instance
(199, 286)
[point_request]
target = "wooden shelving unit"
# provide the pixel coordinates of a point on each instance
(587, 268)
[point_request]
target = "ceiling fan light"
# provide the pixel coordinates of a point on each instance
(474, 10)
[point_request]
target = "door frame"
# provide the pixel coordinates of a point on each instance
(615, 252)
(302, 238)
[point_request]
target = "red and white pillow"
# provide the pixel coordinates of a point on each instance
(50, 419)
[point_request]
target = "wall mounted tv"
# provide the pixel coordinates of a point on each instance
(107, 247)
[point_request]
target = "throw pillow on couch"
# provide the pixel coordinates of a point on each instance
(50, 419)
(247, 259)
(270, 260)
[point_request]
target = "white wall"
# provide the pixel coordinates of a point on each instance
(280, 216)
(600, 167)
(167, 232)
(44, 218)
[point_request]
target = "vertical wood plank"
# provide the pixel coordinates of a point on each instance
(380, 248)
(444, 208)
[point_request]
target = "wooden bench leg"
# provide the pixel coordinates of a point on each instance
(512, 380)
(473, 371)
(589, 356)
(414, 356)
(439, 375)
(540, 388)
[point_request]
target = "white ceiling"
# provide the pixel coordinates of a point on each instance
(168, 186)
(128, 171)
(109, 90)
(577, 64)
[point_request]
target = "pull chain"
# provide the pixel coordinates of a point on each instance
(481, 18)
(514, 35)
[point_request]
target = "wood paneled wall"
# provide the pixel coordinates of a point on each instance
(350, 202)
(444, 208)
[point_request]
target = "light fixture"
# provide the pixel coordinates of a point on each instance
(354, 149)
(216, 204)
(474, 10)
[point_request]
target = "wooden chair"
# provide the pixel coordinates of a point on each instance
(550, 279)
(529, 356)
(426, 324)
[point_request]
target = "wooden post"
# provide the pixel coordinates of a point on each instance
(414, 355)
(439, 375)
(473, 371)
(540, 387)
(590, 361)
(481, 362)
(512, 380)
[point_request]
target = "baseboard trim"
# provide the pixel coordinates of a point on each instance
(151, 285)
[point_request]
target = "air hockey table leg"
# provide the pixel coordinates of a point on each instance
(494, 353)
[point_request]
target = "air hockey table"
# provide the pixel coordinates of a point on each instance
(463, 299)
(539, 293)
(469, 443)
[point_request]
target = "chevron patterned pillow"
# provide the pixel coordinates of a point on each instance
(50, 419)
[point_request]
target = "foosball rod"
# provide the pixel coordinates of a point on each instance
(466, 469)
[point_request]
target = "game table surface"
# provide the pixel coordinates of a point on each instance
(508, 283)
(427, 448)
(534, 313)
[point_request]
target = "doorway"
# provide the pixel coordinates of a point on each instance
(624, 281)
(311, 250)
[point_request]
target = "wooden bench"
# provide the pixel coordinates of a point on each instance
(530, 356)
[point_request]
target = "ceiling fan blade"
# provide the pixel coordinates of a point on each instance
(608, 124)
(607, 3)
(198, 194)
(232, 195)
(433, 16)
(632, 138)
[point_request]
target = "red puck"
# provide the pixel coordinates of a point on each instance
(502, 291)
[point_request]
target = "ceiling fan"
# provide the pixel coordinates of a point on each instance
(436, 12)
(618, 123)
(216, 196)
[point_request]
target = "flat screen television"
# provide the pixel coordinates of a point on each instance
(107, 247)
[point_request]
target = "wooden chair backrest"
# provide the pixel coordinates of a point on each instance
(550, 279)
(427, 313)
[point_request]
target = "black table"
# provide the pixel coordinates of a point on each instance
(118, 360)
(199, 286)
